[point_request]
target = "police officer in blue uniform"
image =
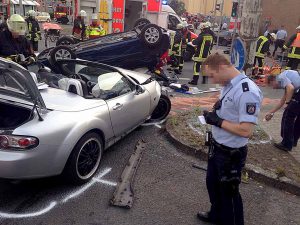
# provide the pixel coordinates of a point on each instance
(233, 118)
(290, 123)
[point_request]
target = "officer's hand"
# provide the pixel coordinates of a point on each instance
(212, 118)
(269, 116)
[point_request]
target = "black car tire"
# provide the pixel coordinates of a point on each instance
(64, 20)
(141, 23)
(162, 109)
(62, 50)
(151, 35)
(65, 40)
(87, 151)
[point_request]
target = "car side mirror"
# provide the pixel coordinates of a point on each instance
(139, 89)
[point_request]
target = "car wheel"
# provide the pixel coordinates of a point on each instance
(151, 35)
(48, 20)
(84, 159)
(65, 41)
(162, 109)
(61, 52)
(140, 23)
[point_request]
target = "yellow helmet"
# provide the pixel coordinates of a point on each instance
(16, 24)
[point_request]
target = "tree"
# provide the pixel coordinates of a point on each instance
(178, 6)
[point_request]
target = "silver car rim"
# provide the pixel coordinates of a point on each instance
(88, 158)
(63, 54)
(152, 35)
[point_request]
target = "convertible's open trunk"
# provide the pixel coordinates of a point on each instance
(12, 116)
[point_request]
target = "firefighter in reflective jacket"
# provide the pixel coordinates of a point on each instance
(187, 38)
(13, 41)
(79, 28)
(178, 42)
(262, 48)
(203, 44)
(294, 52)
(95, 30)
(33, 32)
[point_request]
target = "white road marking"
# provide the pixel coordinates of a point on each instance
(106, 182)
(97, 179)
(26, 215)
(157, 126)
(87, 186)
(183, 78)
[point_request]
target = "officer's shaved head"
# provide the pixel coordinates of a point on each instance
(215, 60)
(218, 67)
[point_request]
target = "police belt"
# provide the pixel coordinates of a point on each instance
(296, 96)
(226, 149)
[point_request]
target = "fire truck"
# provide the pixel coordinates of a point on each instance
(62, 13)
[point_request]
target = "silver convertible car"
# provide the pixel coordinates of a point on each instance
(63, 125)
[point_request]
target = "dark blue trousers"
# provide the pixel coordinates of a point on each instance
(225, 199)
(290, 125)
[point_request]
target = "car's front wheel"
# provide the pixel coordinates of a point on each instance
(84, 159)
(162, 109)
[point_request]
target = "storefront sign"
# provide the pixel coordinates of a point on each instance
(118, 16)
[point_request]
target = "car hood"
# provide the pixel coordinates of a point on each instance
(60, 100)
(140, 77)
(17, 82)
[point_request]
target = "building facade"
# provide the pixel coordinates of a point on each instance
(278, 12)
(207, 7)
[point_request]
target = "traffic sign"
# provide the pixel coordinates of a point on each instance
(238, 54)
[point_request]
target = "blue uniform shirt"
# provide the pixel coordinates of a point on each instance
(241, 103)
(289, 77)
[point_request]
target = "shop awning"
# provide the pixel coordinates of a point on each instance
(28, 2)
(25, 2)
(36, 3)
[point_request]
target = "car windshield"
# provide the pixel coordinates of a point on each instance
(91, 73)
(11, 83)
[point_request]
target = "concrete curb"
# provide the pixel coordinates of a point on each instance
(256, 173)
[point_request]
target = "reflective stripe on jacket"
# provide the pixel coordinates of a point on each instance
(262, 46)
(204, 43)
(94, 32)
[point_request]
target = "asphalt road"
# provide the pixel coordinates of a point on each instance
(167, 191)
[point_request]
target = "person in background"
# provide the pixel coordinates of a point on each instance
(233, 119)
(3, 25)
(262, 49)
(281, 35)
(203, 45)
(290, 122)
(186, 39)
(224, 26)
(179, 41)
(294, 50)
(33, 30)
(79, 28)
(95, 30)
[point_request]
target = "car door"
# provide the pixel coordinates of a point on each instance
(128, 108)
